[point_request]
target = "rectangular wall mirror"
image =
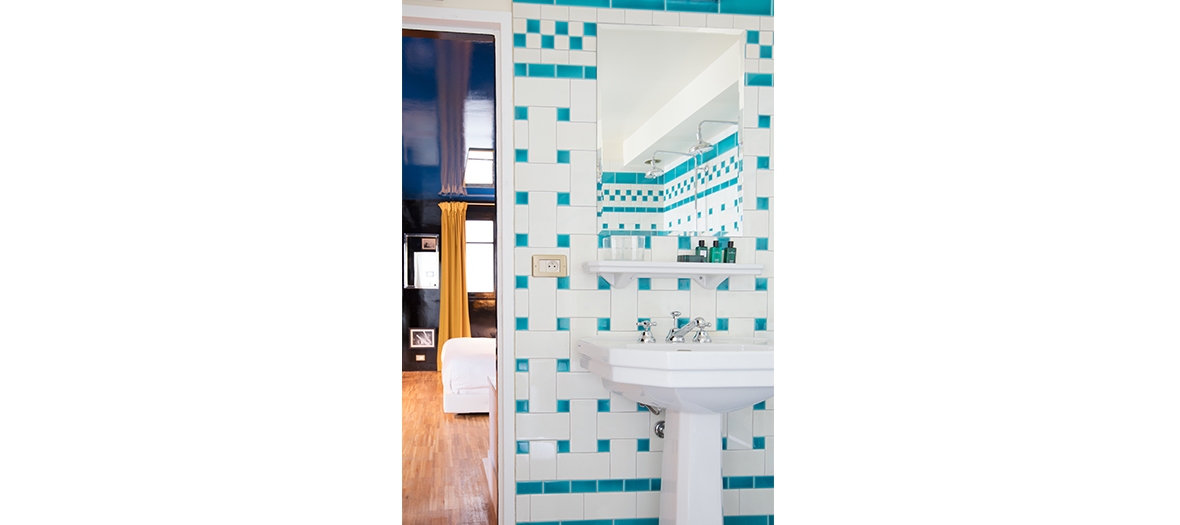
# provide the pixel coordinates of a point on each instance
(420, 260)
(669, 117)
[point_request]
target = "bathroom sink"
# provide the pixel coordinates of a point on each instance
(706, 378)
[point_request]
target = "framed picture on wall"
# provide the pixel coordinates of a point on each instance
(421, 338)
(430, 243)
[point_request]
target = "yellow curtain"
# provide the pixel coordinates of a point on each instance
(454, 319)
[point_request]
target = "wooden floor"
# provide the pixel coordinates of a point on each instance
(443, 479)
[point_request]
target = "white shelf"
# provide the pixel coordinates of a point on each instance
(620, 273)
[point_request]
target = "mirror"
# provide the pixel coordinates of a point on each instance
(420, 266)
(665, 95)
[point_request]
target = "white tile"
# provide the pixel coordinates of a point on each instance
(765, 100)
(752, 51)
(622, 425)
(581, 328)
(555, 56)
(553, 507)
(577, 219)
(543, 460)
(766, 65)
(522, 385)
(741, 304)
(577, 135)
(521, 303)
(520, 136)
(659, 304)
(583, 58)
(763, 421)
(562, 42)
(766, 22)
(693, 20)
(730, 502)
(756, 501)
(542, 139)
(542, 298)
(770, 404)
(543, 218)
(702, 303)
(756, 222)
(584, 430)
(580, 385)
(583, 303)
(533, 91)
(611, 16)
(583, 466)
(533, 343)
(749, 115)
(750, 65)
(648, 464)
(619, 403)
(740, 326)
(606, 505)
(542, 177)
(764, 180)
(637, 16)
(743, 462)
(542, 385)
(590, 43)
(522, 507)
(533, 40)
(739, 428)
(663, 18)
(665, 283)
(747, 250)
(720, 21)
(555, 12)
(577, 28)
(622, 458)
(647, 504)
(542, 426)
(770, 455)
(583, 101)
(581, 252)
(526, 55)
(745, 22)
(520, 25)
(522, 467)
(583, 14)
(741, 283)
(664, 248)
(622, 307)
(766, 37)
(583, 178)
(526, 10)
(766, 259)
(520, 223)
(548, 27)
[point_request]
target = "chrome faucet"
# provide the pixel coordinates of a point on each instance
(676, 335)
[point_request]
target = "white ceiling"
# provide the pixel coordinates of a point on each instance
(641, 68)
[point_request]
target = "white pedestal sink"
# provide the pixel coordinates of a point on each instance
(695, 383)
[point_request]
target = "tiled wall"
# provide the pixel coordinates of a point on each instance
(584, 455)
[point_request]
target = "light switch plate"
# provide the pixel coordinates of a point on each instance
(549, 266)
(419, 357)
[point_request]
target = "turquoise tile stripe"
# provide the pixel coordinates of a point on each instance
(759, 79)
(730, 7)
(523, 69)
(764, 519)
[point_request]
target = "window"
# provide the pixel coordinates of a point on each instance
(481, 256)
(480, 169)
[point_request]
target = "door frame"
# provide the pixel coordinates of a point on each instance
(498, 24)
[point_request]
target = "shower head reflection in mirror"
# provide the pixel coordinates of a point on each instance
(669, 105)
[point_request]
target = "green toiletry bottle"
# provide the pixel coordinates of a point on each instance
(716, 254)
(703, 251)
(730, 253)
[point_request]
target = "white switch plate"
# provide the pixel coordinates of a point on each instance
(549, 266)
(419, 357)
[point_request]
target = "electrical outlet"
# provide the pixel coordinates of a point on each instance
(419, 357)
(549, 266)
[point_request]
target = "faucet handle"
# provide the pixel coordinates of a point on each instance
(646, 324)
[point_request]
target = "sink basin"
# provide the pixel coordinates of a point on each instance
(705, 378)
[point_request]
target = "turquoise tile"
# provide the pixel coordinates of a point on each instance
(575, 43)
(563, 283)
(639, 521)
(763, 203)
(691, 6)
(563, 156)
(520, 70)
(759, 325)
(566, 71)
(604, 405)
(753, 79)
(591, 72)
(541, 70)
(741, 482)
(656, 483)
(644, 445)
(522, 240)
(563, 365)
(724, 483)
(724, 443)
(588, 522)
(547, 42)
(563, 114)
(760, 406)
(522, 155)
(522, 447)
(563, 445)
(645, 283)
(637, 485)
(518, 40)
(604, 323)
(563, 241)
(655, 5)
(684, 284)
(588, 485)
(743, 520)
(557, 487)
(522, 405)
(681, 322)
(562, 27)
(764, 121)
(685, 243)
(522, 197)
(760, 283)
(723, 286)
(722, 324)
(585, 3)
(563, 198)
(604, 446)
(762, 243)
(759, 444)
(752, 37)
(563, 324)
(522, 365)
(603, 284)
(528, 487)
(522, 282)
(522, 323)
(763, 163)
(590, 29)
(532, 26)
(765, 52)
(747, 7)
(522, 113)
(608, 485)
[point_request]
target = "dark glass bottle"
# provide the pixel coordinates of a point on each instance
(730, 253)
(703, 251)
(716, 254)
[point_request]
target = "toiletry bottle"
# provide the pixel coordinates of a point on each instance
(730, 253)
(703, 251)
(716, 254)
